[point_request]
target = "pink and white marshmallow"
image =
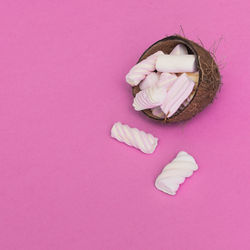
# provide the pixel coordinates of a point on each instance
(142, 69)
(166, 80)
(134, 137)
(150, 80)
(149, 98)
(175, 173)
(177, 94)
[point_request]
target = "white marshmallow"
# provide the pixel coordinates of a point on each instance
(178, 50)
(176, 64)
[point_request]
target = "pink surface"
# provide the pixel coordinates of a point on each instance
(64, 183)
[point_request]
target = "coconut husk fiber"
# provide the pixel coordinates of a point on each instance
(209, 78)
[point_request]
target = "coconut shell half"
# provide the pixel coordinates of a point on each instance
(208, 84)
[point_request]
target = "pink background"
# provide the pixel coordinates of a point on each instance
(64, 183)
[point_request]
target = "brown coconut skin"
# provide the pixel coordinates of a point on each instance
(209, 77)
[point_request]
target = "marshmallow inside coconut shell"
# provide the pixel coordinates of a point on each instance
(208, 84)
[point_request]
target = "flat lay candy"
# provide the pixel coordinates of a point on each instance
(142, 69)
(134, 137)
(150, 80)
(177, 94)
(176, 64)
(175, 173)
(149, 98)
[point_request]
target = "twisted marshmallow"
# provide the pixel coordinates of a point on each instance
(177, 94)
(150, 80)
(134, 137)
(149, 98)
(175, 173)
(142, 69)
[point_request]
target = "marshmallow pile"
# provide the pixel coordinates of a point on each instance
(166, 81)
(174, 173)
